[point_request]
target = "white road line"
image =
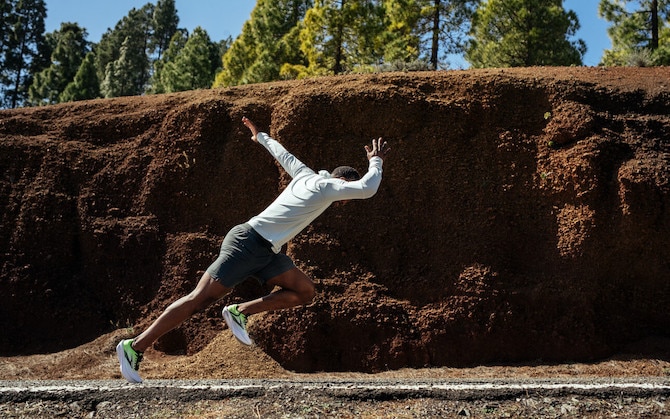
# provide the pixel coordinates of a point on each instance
(475, 387)
(7, 388)
(122, 387)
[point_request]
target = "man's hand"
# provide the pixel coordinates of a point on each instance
(379, 149)
(254, 131)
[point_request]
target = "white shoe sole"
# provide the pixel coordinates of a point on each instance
(239, 333)
(127, 371)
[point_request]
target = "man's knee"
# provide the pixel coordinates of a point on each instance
(207, 292)
(308, 293)
(306, 290)
(198, 301)
(300, 285)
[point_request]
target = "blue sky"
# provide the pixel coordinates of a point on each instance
(220, 18)
(223, 18)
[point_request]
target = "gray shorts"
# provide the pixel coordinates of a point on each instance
(246, 253)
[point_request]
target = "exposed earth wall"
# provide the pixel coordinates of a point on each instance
(524, 215)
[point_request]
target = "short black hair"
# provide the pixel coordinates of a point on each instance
(347, 172)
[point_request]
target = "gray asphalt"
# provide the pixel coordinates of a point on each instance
(373, 389)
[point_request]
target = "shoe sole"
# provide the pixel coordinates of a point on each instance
(239, 333)
(126, 370)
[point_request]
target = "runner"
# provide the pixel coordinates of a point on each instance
(253, 249)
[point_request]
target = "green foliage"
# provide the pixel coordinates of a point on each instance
(236, 60)
(193, 65)
(311, 45)
(164, 22)
(129, 38)
(24, 48)
(339, 36)
(146, 52)
(124, 76)
(85, 84)
(639, 36)
(268, 40)
(400, 38)
(128, 60)
(144, 32)
(177, 43)
(662, 54)
(444, 25)
(6, 10)
(522, 33)
(68, 53)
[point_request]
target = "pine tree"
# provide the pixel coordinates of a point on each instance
(6, 10)
(444, 25)
(133, 31)
(193, 66)
(521, 33)
(69, 51)
(401, 38)
(662, 54)
(24, 51)
(177, 42)
(85, 84)
(368, 28)
(644, 31)
(164, 22)
(239, 57)
(268, 40)
(342, 35)
(123, 77)
(6, 16)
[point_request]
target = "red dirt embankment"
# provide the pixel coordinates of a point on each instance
(524, 215)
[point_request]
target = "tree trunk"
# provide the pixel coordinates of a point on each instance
(19, 70)
(436, 34)
(339, 35)
(654, 24)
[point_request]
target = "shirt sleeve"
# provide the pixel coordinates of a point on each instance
(365, 187)
(288, 161)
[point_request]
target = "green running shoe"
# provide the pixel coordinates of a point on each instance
(130, 361)
(237, 323)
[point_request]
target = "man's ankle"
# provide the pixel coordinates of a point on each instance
(241, 310)
(132, 345)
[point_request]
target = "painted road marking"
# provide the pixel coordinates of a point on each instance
(261, 386)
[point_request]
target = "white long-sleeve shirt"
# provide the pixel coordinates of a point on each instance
(307, 195)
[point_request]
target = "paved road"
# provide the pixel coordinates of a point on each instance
(185, 390)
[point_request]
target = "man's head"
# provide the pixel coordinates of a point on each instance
(347, 173)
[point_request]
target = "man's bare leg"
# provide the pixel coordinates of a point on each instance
(205, 293)
(295, 289)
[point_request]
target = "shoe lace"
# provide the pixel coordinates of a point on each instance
(137, 360)
(242, 320)
(134, 359)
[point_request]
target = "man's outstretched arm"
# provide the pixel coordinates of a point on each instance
(252, 127)
(289, 162)
(366, 186)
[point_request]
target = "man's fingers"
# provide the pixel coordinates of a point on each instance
(254, 131)
(246, 121)
(384, 146)
(379, 148)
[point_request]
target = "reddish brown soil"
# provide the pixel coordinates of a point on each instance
(523, 219)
